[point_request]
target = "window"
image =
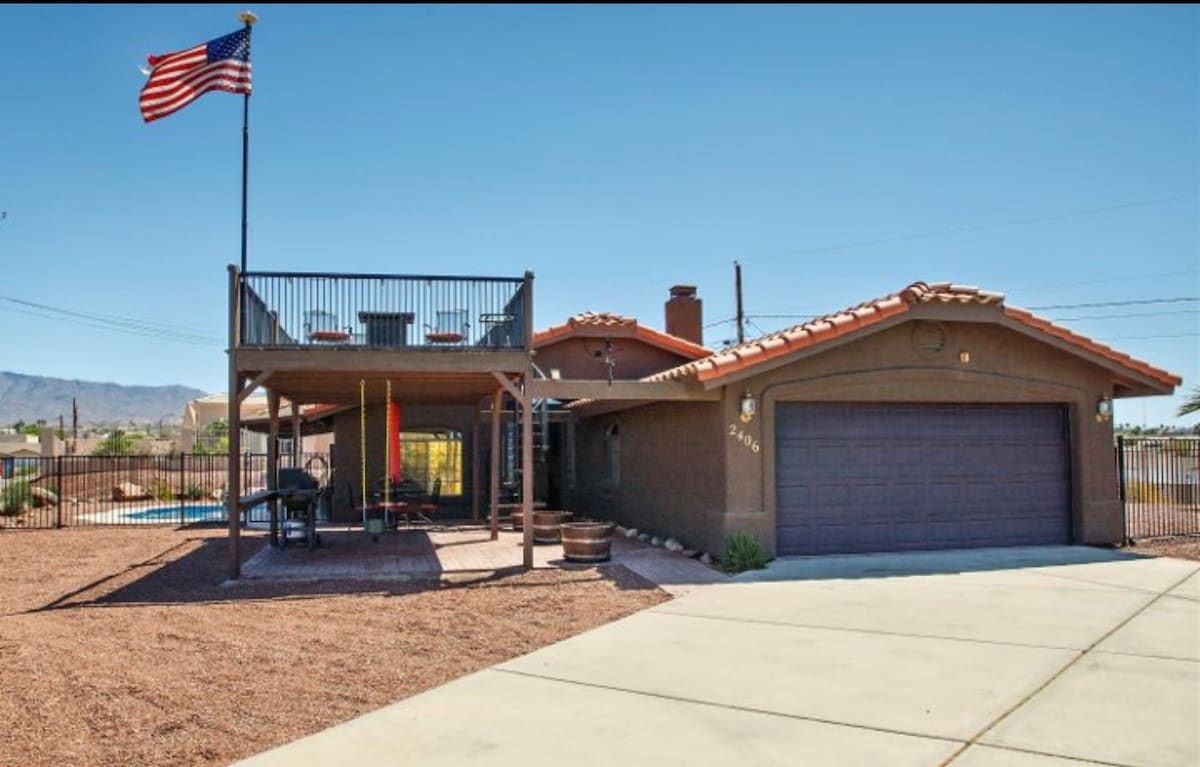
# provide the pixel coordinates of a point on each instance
(429, 455)
(612, 454)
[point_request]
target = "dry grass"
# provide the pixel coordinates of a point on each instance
(121, 646)
(1181, 547)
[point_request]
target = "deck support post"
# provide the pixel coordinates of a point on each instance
(475, 462)
(497, 409)
(273, 460)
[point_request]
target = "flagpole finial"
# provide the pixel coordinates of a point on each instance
(248, 17)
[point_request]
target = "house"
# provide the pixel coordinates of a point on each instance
(934, 417)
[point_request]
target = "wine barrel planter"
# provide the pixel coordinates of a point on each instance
(546, 524)
(587, 541)
(518, 522)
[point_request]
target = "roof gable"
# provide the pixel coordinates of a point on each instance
(870, 316)
(608, 324)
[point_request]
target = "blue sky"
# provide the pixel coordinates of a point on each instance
(614, 151)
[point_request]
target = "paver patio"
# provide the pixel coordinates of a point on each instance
(418, 553)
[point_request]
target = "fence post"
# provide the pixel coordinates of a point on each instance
(1121, 486)
(58, 485)
(182, 489)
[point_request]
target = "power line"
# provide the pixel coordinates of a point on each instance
(1137, 302)
(111, 323)
(980, 227)
(1124, 278)
(1169, 335)
(1125, 316)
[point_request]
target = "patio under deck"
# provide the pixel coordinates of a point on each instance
(458, 552)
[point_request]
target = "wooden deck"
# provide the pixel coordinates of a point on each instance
(420, 554)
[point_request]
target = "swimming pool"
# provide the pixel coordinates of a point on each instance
(213, 512)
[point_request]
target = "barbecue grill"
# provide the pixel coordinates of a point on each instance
(299, 493)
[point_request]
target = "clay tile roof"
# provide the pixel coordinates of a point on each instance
(602, 319)
(824, 329)
(619, 325)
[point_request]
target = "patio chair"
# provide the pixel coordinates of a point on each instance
(322, 327)
(427, 509)
(451, 328)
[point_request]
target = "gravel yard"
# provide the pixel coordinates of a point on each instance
(1181, 547)
(121, 646)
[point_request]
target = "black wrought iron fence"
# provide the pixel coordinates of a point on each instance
(382, 310)
(1159, 485)
(87, 490)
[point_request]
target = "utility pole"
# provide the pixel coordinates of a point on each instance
(74, 425)
(741, 317)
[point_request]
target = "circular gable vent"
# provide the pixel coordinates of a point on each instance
(930, 339)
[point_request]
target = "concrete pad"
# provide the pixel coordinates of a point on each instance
(506, 720)
(933, 687)
(987, 756)
(952, 561)
(1169, 628)
(1189, 589)
(1011, 607)
(1113, 708)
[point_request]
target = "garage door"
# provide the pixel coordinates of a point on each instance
(860, 478)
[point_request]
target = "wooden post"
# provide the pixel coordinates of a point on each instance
(497, 404)
(296, 438)
(273, 460)
(527, 477)
(233, 482)
(475, 449)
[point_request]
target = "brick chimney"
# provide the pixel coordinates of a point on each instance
(684, 318)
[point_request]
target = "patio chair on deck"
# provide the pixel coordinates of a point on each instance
(322, 327)
(451, 328)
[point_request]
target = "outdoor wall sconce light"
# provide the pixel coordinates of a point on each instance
(555, 374)
(748, 406)
(1104, 409)
(964, 357)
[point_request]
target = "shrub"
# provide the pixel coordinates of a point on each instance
(15, 498)
(742, 553)
(161, 490)
(195, 493)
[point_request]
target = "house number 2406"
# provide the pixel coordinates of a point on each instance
(746, 440)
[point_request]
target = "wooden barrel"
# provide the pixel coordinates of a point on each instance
(518, 518)
(587, 541)
(546, 523)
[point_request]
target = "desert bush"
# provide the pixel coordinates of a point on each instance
(15, 498)
(161, 490)
(195, 493)
(743, 552)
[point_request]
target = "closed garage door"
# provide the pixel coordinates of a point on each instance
(860, 478)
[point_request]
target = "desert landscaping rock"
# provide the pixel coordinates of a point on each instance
(673, 545)
(631, 532)
(43, 497)
(706, 558)
(128, 491)
(656, 541)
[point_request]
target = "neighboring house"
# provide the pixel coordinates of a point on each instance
(934, 417)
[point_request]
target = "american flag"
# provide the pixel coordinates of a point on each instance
(177, 79)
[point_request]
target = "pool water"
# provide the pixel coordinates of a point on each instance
(214, 512)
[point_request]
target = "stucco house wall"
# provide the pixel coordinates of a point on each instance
(672, 474)
(676, 456)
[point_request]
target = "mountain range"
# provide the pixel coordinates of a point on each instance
(29, 398)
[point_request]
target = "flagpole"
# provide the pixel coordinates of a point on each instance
(250, 20)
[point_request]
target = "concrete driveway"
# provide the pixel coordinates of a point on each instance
(1035, 657)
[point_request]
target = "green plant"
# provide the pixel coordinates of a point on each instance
(118, 443)
(743, 552)
(161, 490)
(15, 498)
(195, 493)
